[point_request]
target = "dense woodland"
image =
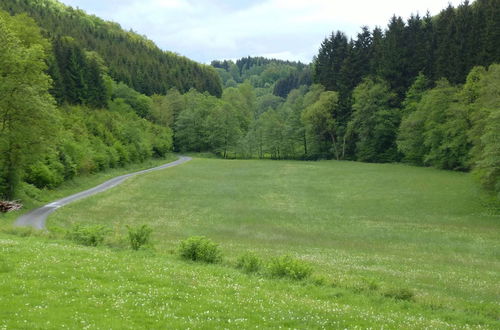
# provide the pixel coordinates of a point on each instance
(97, 124)
(131, 58)
(425, 91)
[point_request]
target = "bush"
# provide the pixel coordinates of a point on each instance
(287, 266)
(199, 248)
(400, 294)
(139, 236)
(249, 263)
(29, 192)
(44, 175)
(92, 235)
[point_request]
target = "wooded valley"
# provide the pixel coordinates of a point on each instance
(80, 95)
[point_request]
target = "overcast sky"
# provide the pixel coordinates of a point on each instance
(205, 30)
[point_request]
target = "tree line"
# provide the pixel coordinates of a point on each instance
(386, 96)
(281, 76)
(422, 91)
(98, 124)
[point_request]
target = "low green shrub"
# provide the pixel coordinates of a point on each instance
(43, 175)
(199, 248)
(139, 236)
(286, 266)
(91, 235)
(399, 294)
(29, 192)
(249, 263)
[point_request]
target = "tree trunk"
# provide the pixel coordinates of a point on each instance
(335, 150)
(305, 144)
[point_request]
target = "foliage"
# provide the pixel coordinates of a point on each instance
(286, 266)
(379, 97)
(43, 145)
(320, 119)
(191, 133)
(131, 58)
(139, 236)
(27, 111)
(455, 127)
(447, 46)
(200, 248)
(279, 76)
(249, 263)
(410, 134)
(90, 235)
(484, 114)
(374, 122)
(79, 76)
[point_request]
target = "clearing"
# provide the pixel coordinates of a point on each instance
(365, 228)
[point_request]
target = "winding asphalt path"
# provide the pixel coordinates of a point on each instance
(36, 218)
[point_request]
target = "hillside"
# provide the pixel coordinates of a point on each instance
(131, 58)
(389, 245)
(62, 114)
(360, 191)
(278, 76)
(101, 288)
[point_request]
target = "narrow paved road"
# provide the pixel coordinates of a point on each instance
(36, 218)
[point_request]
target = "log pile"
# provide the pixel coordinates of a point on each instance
(7, 206)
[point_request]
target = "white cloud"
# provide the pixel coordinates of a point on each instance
(287, 29)
(171, 4)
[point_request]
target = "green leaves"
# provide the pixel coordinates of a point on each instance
(374, 122)
(27, 112)
(139, 236)
(200, 248)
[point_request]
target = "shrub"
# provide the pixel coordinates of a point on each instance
(91, 235)
(29, 192)
(400, 294)
(287, 266)
(139, 236)
(199, 248)
(249, 263)
(44, 175)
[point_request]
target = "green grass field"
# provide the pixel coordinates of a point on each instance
(365, 228)
(38, 197)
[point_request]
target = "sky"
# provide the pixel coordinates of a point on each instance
(206, 30)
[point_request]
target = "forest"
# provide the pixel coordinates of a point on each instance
(130, 58)
(52, 132)
(424, 91)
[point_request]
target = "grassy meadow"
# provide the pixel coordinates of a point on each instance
(366, 229)
(33, 197)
